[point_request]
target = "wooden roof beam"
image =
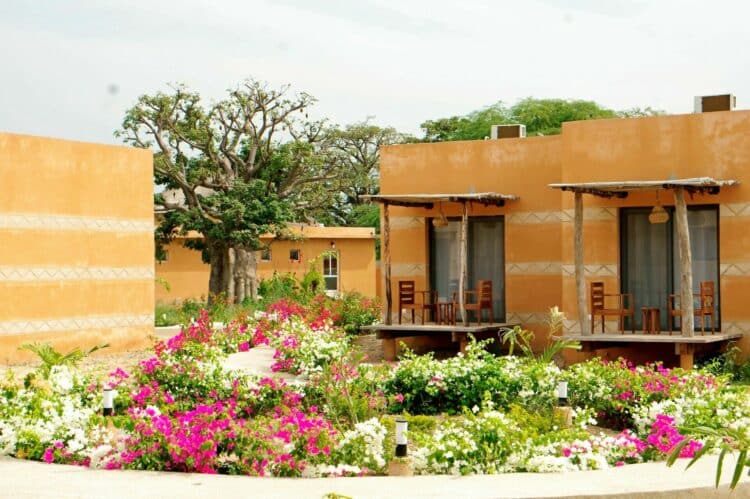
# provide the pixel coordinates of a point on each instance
(408, 204)
(596, 192)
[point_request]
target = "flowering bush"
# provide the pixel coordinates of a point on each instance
(181, 410)
(617, 390)
(302, 348)
(423, 385)
(51, 413)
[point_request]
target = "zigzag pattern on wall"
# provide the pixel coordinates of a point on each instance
(408, 269)
(573, 326)
(592, 270)
(734, 210)
(736, 327)
(21, 327)
(524, 318)
(534, 217)
(406, 222)
(73, 223)
(737, 268)
(531, 268)
(592, 214)
(31, 274)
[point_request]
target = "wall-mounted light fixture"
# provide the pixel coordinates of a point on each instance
(333, 245)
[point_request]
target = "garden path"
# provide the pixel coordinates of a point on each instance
(257, 360)
(27, 479)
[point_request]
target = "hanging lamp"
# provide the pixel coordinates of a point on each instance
(658, 215)
(441, 221)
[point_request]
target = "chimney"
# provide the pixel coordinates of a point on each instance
(508, 131)
(709, 103)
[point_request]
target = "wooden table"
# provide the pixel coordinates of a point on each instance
(651, 319)
(446, 313)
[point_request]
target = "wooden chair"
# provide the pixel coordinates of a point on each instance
(482, 301)
(407, 300)
(599, 309)
(703, 306)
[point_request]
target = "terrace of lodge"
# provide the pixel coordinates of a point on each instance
(592, 305)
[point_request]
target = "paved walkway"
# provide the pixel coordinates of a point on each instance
(257, 360)
(27, 479)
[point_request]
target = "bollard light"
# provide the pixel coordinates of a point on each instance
(562, 393)
(401, 427)
(108, 402)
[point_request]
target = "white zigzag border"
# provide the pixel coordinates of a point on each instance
(35, 274)
(21, 327)
(73, 223)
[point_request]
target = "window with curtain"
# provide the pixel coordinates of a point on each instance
(650, 262)
(486, 258)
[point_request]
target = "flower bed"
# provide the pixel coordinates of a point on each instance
(181, 410)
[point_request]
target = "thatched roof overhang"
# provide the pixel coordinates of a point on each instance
(428, 200)
(620, 189)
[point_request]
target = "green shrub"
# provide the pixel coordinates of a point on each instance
(353, 310)
(279, 286)
(166, 315)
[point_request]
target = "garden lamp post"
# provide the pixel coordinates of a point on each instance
(108, 402)
(401, 440)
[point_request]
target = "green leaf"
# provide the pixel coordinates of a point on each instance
(738, 469)
(719, 465)
(676, 452)
(699, 454)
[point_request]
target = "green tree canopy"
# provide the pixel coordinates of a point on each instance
(234, 169)
(541, 117)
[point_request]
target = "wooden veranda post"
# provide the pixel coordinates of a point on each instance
(462, 261)
(583, 315)
(387, 259)
(686, 263)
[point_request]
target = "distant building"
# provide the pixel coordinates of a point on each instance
(345, 256)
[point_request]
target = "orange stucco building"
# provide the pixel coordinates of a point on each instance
(351, 269)
(76, 259)
(530, 253)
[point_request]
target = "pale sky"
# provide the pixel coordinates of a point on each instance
(71, 67)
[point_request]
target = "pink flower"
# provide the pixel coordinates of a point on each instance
(49, 455)
(243, 347)
(399, 398)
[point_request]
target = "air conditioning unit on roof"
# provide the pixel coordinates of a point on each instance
(508, 131)
(708, 103)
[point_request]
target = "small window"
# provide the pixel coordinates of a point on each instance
(295, 255)
(265, 255)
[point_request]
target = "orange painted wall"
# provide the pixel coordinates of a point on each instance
(76, 259)
(522, 167)
(188, 276)
(538, 227)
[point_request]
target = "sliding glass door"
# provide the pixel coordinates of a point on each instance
(649, 257)
(486, 259)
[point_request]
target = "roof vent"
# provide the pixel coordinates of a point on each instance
(708, 103)
(508, 131)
